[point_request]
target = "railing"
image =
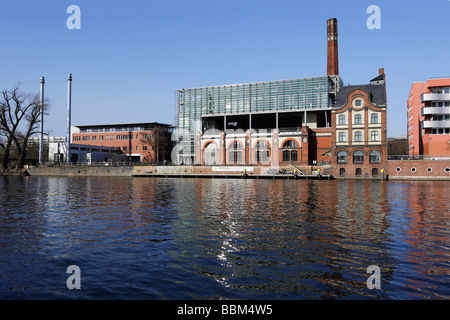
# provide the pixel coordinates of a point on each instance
(420, 157)
(299, 170)
(290, 129)
(443, 96)
(435, 124)
(103, 164)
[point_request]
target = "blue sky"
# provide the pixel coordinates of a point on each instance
(130, 56)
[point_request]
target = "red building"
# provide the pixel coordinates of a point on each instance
(359, 142)
(147, 142)
(428, 110)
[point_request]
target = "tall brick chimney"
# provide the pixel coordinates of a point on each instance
(332, 52)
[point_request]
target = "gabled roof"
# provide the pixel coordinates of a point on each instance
(377, 94)
(380, 77)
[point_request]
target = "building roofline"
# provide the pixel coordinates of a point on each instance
(256, 82)
(124, 124)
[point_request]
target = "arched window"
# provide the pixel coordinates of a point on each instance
(374, 118)
(342, 172)
(358, 136)
(342, 157)
(235, 153)
(358, 118)
(290, 152)
(374, 172)
(374, 156)
(341, 119)
(358, 157)
(290, 144)
(262, 151)
(374, 136)
(358, 172)
(210, 154)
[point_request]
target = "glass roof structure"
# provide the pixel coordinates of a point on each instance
(283, 96)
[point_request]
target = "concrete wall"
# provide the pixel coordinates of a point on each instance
(81, 171)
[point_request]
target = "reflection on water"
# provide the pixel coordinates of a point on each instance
(136, 238)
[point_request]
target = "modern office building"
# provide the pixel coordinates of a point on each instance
(263, 123)
(139, 142)
(428, 111)
(359, 141)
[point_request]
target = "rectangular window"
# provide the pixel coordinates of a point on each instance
(341, 136)
(286, 155)
(374, 136)
(374, 118)
(357, 119)
(341, 119)
(144, 148)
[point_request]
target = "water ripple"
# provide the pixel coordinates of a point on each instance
(223, 239)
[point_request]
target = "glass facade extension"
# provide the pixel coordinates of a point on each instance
(195, 105)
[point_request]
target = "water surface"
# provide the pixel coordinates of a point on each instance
(161, 238)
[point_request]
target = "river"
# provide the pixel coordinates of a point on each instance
(182, 238)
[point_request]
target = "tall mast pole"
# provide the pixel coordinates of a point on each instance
(41, 136)
(69, 101)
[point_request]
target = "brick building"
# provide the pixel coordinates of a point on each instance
(359, 142)
(147, 142)
(273, 123)
(428, 111)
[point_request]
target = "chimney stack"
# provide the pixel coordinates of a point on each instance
(332, 52)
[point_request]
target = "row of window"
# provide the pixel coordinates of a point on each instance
(441, 104)
(263, 145)
(374, 136)
(358, 157)
(440, 131)
(263, 155)
(440, 117)
(440, 90)
(357, 119)
(358, 172)
(144, 148)
(145, 136)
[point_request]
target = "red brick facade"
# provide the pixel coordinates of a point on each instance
(359, 135)
(419, 169)
(148, 143)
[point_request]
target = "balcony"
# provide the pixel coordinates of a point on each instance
(435, 110)
(435, 97)
(426, 124)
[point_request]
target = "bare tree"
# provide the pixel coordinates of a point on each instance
(18, 108)
(159, 142)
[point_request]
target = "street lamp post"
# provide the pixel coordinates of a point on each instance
(69, 115)
(41, 136)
